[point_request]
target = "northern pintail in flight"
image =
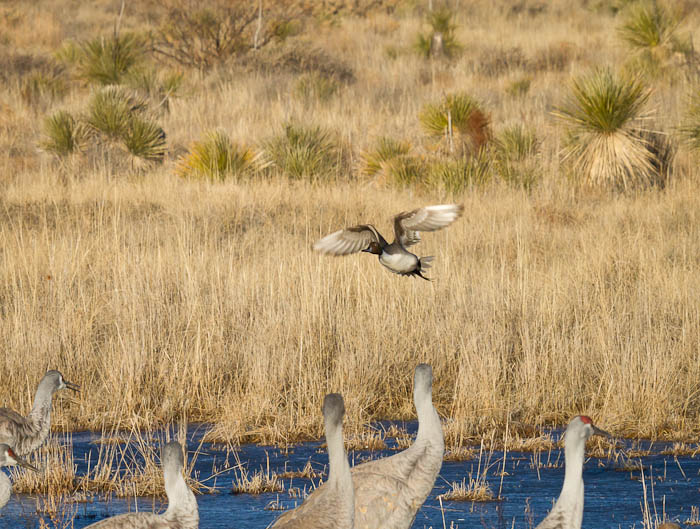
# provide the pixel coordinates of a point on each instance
(394, 256)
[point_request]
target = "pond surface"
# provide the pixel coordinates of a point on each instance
(613, 498)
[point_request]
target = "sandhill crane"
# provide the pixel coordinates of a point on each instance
(567, 512)
(394, 256)
(182, 512)
(389, 491)
(9, 458)
(333, 507)
(26, 434)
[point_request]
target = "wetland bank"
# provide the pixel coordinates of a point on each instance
(176, 290)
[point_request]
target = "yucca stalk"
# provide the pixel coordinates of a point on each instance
(606, 146)
(64, 135)
(216, 158)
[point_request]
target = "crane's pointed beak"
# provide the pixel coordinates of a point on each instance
(602, 433)
(23, 463)
(71, 386)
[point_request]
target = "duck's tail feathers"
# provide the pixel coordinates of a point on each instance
(425, 262)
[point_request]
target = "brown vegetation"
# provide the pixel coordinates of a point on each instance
(163, 296)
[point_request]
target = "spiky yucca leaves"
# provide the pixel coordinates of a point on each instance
(144, 139)
(605, 144)
(111, 109)
(217, 158)
(441, 40)
(648, 25)
(64, 135)
(690, 129)
(391, 162)
(107, 60)
(458, 119)
(515, 156)
(158, 87)
(455, 176)
(305, 152)
(650, 30)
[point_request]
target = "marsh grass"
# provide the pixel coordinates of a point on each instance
(475, 487)
(162, 295)
(257, 482)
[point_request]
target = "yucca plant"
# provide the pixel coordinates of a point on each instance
(159, 87)
(650, 30)
(690, 129)
(391, 162)
(64, 135)
(605, 144)
(304, 152)
(111, 109)
(455, 176)
(458, 119)
(144, 139)
(441, 40)
(107, 60)
(216, 157)
(387, 149)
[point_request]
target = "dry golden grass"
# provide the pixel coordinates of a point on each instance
(165, 297)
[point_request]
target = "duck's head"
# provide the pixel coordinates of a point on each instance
(373, 248)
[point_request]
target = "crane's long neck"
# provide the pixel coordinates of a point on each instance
(572, 491)
(429, 427)
(5, 489)
(39, 421)
(182, 505)
(339, 473)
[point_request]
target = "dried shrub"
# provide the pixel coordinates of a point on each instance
(199, 36)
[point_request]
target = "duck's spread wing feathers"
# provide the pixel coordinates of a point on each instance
(349, 240)
(430, 218)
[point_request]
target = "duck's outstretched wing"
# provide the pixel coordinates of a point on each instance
(430, 218)
(349, 240)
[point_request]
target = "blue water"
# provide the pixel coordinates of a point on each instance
(613, 498)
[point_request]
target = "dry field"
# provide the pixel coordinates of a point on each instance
(166, 297)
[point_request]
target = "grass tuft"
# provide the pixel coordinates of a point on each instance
(456, 176)
(516, 152)
(606, 144)
(303, 152)
(216, 157)
(391, 162)
(690, 129)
